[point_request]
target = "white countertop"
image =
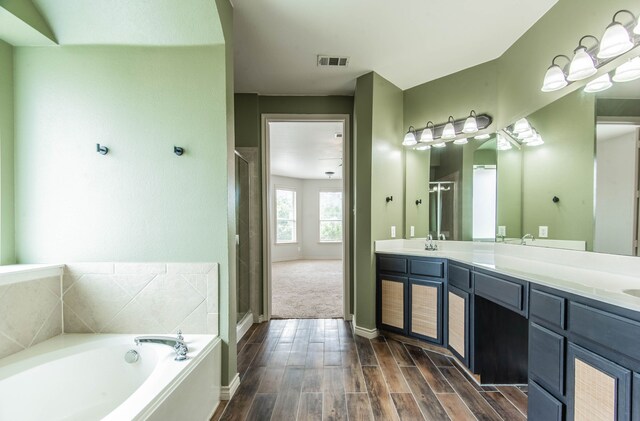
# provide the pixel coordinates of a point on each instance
(11, 274)
(597, 276)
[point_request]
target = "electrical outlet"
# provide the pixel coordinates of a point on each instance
(502, 230)
(413, 231)
(543, 232)
(393, 231)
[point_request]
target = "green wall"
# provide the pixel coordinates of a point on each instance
(7, 241)
(416, 185)
(379, 172)
(562, 167)
(509, 195)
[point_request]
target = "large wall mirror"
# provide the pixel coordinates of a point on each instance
(577, 190)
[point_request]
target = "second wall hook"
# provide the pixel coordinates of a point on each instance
(418, 202)
(389, 199)
(178, 150)
(102, 150)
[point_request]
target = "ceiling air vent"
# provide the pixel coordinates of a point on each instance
(333, 61)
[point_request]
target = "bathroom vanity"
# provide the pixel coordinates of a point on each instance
(520, 314)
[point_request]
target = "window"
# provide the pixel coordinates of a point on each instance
(330, 216)
(285, 216)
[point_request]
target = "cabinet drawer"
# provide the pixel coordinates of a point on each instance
(392, 264)
(501, 291)
(548, 309)
(542, 406)
(460, 277)
(427, 268)
(614, 332)
(546, 358)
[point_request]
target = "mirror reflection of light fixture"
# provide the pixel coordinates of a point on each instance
(537, 141)
(427, 133)
(521, 126)
(503, 144)
(482, 137)
(628, 71)
(555, 78)
(410, 137)
(530, 136)
(440, 145)
(582, 65)
(470, 124)
(449, 131)
(616, 39)
(526, 134)
(462, 141)
(422, 147)
(599, 84)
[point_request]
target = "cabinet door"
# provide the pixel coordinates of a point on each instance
(597, 389)
(392, 300)
(425, 310)
(458, 323)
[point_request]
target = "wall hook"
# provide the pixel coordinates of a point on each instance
(102, 150)
(178, 150)
(418, 202)
(389, 199)
(555, 199)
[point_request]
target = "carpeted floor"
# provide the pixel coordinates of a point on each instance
(307, 289)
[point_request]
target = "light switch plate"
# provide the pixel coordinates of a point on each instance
(413, 231)
(502, 230)
(393, 231)
(543, 232)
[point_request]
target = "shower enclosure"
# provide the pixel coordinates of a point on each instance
(443, 210)
(243, 250)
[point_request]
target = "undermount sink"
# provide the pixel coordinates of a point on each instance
(633, 292)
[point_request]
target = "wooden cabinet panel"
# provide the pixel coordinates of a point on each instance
(425, 317)
(509, 294)
(458, 329)
(597, 389)
(434, 269)
(393, 301)
(546, 358)
(460, 277)
(542, 406)
(547, 309)
(392, 264)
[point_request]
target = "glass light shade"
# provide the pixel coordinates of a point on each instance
(526, 134)
(536, 142)
(628, 71)
(426, 135)
(521, 126)
(599, 84)
(554, 79)
(470, 125)
(409, 139)
(615, 41)
(449, 132)
(531, 136)
(462, 141)
(440, 145)
(423, 147)
(582, 65)
(482, 137)
(503, 144)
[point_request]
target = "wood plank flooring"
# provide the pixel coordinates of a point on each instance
(315, 369)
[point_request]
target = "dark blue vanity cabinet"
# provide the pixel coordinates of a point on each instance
(580, 357)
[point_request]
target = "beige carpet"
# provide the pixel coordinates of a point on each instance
(306, 289)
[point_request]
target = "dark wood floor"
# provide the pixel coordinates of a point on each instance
(317, 370)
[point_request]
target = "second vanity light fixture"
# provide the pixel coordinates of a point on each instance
(436, 136)
(593, 53)
(521, 132)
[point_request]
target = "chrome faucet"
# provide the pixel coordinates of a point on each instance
(525, 238)
(442, 237)
(178, 344)
(429, 245)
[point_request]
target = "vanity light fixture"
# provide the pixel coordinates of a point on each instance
(537, 141)
(410, 137)
(462, 141)
(449, 131)
(503, 144)
(526, 134)
(483, 137)
(440, 145)
(555, 78)
(470, 124)
(599, 84)
(628, 71)
(616, 39)
(582, 65)
(427, 133)
(521, 126)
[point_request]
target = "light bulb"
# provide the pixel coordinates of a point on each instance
(440, 145)
(554, 79)
(423, 147)
(582, 65)
(521, 126)
(449, 131)
(599, 84)
(482, 137)
(628, 71)
(470, 124)
(462, 141)
(426, 135)
(615, 41)
(410, 138)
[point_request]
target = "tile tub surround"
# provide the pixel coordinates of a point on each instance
(30, 306)
(141, 298)
(602, 277)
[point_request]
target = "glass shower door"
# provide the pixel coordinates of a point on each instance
(443, 210)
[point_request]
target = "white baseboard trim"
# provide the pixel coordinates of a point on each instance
(261, 318)
(364, 332)
(243, 326)
(227, 392)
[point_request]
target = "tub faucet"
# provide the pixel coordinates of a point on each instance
(177, 343)
(525, 238)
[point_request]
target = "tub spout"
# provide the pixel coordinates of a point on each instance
(178, 344)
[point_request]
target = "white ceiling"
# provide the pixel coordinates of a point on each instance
(305, 150)
(133, 22)
(613, 131)
(408, 42)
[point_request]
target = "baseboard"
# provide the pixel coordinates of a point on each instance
(243, 326)
(227, 392)
(261, 318)
(364, 332)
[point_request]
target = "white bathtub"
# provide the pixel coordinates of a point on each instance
(85, 377)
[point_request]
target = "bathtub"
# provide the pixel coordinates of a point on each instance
(85, 377)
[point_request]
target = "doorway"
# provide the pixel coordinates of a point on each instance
(305, 224)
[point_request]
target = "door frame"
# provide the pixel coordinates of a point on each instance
(266, 202)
